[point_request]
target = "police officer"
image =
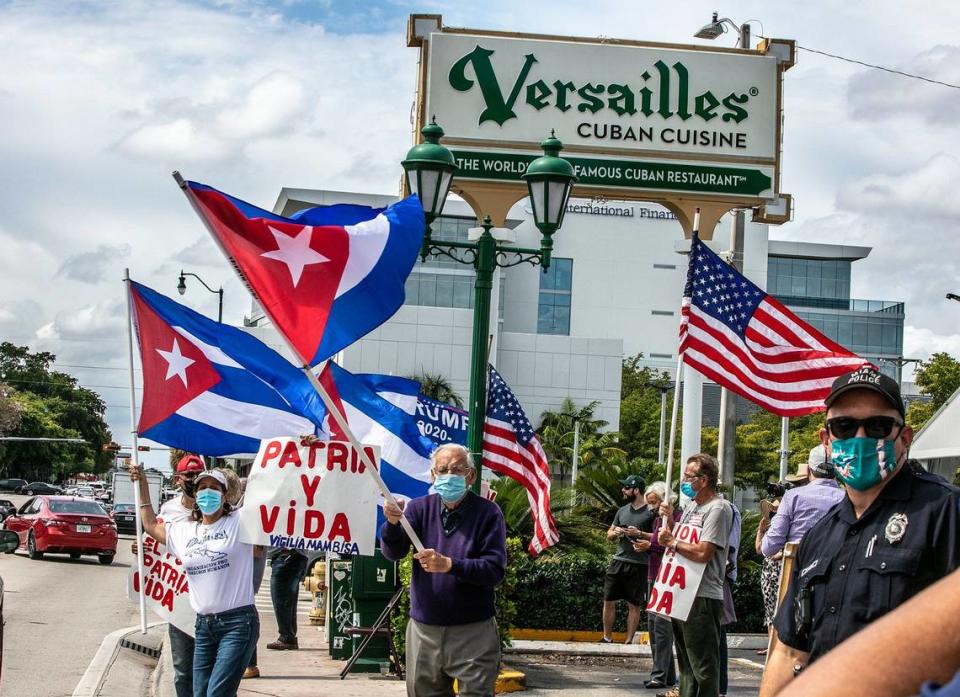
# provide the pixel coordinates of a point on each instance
(896, 531)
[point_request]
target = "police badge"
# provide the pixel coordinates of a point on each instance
(896, 528)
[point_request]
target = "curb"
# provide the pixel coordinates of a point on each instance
(510, 680)
(92, 680)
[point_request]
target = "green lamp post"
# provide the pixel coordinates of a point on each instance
(549, 181)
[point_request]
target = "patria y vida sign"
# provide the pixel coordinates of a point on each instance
(641, 121)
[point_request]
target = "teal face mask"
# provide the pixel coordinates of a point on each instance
(686, 488)
(451, 487)
(209, 501)
(862, 463)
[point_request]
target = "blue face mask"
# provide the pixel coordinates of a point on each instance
(862, 463)
(209, 501)
(451, 487)
(686, 488)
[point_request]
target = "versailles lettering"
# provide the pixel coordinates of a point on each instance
(662, 90)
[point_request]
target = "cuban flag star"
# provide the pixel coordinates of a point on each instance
(211, 388)
(325, 276)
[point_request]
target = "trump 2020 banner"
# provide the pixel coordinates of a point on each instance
(165, 586)
(315, 497)
(678, 579)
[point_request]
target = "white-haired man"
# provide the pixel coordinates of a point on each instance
(452, 633)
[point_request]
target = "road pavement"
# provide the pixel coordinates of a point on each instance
(57, 612)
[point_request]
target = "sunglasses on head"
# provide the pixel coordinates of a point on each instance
(874, 426)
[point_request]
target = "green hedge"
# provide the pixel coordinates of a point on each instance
(565, 592)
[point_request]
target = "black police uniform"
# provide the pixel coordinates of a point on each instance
(850, 572)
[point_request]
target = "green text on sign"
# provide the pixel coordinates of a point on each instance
(635, 175)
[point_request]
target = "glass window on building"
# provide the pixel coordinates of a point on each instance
(553, 314)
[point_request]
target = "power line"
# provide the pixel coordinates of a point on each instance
(54, 382)
(879, 67)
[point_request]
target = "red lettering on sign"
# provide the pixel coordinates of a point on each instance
(688, 533)
(312, 453)
(291, 455)
(652, 602)
(271, 451)
(664, 572)
(679, 577)
(291, 517)
(313, 524)
(665, 604)
(337, 456)
(340, 527)
(268, 520)
(309, 485)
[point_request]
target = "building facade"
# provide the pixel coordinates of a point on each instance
(613, 290)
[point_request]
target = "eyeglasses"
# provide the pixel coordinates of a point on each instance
(451, 470)
(874, 426)
(688, 477)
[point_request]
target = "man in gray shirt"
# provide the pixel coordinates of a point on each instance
(698, 638)
(626, 577)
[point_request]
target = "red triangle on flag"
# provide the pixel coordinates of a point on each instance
(293, 270)
(175, 371)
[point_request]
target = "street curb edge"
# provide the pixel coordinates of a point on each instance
(90, 683)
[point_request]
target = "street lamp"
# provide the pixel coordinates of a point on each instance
(715, 28)
(953, 296)
(429, 167)
(182, 289)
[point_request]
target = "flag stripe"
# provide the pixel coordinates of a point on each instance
(737, 335)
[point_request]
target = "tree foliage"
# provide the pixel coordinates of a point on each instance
(937, 377)
(437, 387)
(640, 404)
(49, 404)
(556, 436)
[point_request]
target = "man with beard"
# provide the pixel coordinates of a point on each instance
(626, 577)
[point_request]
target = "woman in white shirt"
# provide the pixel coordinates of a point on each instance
(220, 571)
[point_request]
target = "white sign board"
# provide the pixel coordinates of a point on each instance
(315, 497)
(678, 579)
(679, 119)
(123, 487)
(165, 586)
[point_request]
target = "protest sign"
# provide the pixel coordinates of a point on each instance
(165, 586)
(315, 497)
(678, 579)
(440, 422)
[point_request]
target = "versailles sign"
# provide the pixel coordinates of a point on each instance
(643, 121)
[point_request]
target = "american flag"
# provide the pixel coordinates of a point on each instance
(511, 448)
(745, 340)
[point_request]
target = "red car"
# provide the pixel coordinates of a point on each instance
(66, 525)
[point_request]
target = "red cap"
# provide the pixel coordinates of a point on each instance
(190, 463)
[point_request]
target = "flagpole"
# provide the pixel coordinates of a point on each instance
(335, 414)
(784, 446)
(673, 430)
(135, 454)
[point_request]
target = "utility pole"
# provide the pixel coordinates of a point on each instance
(663, 426)
(576, 449)
(727, 446)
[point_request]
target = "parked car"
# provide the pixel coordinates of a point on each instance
(123, 516)
(85, 492)
(8, 544)
(34, 488)
(12, 484)
(7, 508)
(64, 525)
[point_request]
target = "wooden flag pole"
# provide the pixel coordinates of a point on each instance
(135, 454)
(335, 414)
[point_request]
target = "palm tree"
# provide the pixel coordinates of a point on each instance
(437, 387)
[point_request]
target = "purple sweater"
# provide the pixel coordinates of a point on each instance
(477, 546)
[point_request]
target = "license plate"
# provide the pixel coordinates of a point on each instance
(83, 528)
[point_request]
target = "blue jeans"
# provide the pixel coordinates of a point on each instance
(288, 569)
(181, 652)
(224, 642)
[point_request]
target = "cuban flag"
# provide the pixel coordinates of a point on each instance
(404, 453)
(211, 388)
(327, 275)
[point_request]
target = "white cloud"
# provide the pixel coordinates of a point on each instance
(929, 190)
(922, 342)
(876, 94)
(269, 107)
(93, 266)
(180, 139)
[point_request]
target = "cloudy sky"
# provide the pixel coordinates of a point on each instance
(99, 101)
